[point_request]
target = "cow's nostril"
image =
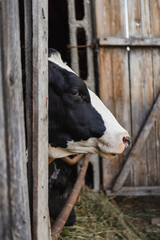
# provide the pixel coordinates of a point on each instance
(126, 141)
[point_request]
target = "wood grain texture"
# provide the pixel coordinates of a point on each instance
(155, 17)
(138, 112)
(40, 120)
(14, 123)
(139, 144)
(132, 42)
(134, 18)
(5, 220)
(110, 18)
(143, 63)
(114, 92)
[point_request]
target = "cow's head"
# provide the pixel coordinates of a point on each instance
(78, 121)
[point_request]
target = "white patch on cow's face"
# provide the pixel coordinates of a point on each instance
(56, 58)
(112, 140)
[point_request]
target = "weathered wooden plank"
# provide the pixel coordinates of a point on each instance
(121, 87)
(114, 92)
(110, 18)
(155, 17)
(14, 121)
(158, 150)
(136, 191)
(145, 18)
(138, 146)
(156, 70)
(151, 154)
(156, 86)
(134, 16)
(4, 198)
(106, 94)
(137, 90)
(150, 164)
(117, 11)
(105, 77)
(132, 41)
(140, 94)
(40, 120)
(103, 18)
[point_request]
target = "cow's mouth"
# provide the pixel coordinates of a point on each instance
(107, 155)
(114, 154)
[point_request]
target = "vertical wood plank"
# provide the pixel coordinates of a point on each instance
(139, 22)
(134, 13)
(105, 77)
(158, 150)
(117, 10)
(40, 119)
(114, 92)
(106, 94)
(155, 17)
(121, 87)
(103, 18)
(14, 121)
(113, 74)
(110, 16)
(145, 18)
(156, 77)
(4, 197)
(138, 110)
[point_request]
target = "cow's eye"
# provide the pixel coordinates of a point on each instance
(75, 92)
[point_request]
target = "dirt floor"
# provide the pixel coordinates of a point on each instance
(101, 217)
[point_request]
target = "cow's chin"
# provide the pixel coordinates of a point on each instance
(57, 152)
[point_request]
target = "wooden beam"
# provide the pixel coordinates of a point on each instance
(132, 42)
(14, 144)
(137, 147)
(136, 191)
(40, 120)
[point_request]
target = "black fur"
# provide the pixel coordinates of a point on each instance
(60, 187)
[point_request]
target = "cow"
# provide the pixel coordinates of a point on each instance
(78, 120)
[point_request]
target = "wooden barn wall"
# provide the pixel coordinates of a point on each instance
(129, 81)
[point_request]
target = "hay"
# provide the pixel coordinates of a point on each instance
(99, 217)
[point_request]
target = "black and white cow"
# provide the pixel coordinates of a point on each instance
(78, 120)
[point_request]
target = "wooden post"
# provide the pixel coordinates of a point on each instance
(4, 198)
(40, 119)
(14, 217)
